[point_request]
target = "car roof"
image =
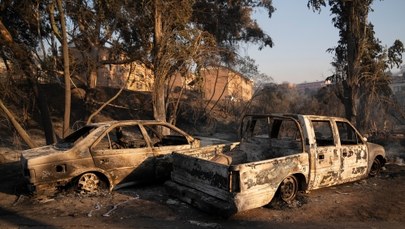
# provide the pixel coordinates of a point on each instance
(291, 115)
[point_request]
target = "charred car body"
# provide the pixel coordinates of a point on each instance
(114, 153)
(279, 155)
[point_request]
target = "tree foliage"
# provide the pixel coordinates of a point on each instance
(21, 31)
(361, 62)
(169, 37)
(231, 22)
(248, 68)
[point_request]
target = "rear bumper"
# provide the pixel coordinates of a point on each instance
(41, 188)
(201, 200)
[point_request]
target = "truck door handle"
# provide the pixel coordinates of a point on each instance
(321, 156)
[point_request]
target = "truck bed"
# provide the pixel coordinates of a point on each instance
(203, 179)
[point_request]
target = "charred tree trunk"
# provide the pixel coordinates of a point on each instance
(92, 73)
(348, 84)
(356, 16)
(363, 121)
(159, 110)
(26, 138)
(66, 70)
(159, 107)
(46, 120)
(348, 101)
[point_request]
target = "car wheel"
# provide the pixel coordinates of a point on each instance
(289, 188)
(88, 182)
(375, 168)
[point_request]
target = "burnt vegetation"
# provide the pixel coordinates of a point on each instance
(53, 54)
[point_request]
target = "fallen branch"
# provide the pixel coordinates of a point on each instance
(116, 206)
(343, 193)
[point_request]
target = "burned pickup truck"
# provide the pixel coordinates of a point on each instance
(278, 156)
(113, 153)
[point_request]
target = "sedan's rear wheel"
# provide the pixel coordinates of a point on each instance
(289, 188)
(88, 182)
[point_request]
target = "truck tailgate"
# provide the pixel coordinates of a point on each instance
(194, 169)
(201, 174)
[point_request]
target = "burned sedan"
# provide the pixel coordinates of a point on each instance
(113, 153)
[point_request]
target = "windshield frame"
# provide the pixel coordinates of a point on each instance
(73, 138)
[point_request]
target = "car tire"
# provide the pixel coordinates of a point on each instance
(288, 188)
(375, 168)
(88, 182)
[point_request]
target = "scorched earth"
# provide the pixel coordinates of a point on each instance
(377, 202)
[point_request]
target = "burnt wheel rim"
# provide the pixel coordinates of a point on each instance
(375, 167)
(288, 188)
(88, 182)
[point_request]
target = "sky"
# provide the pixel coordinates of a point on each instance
(301, 38)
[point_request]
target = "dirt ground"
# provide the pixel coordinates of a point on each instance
(377, 202)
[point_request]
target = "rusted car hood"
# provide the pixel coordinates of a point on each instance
(40, 152)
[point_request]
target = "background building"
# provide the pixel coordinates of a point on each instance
(225, 84)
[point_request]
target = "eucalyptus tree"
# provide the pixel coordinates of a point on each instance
(231, 22)
(360, 60)
(22, 29)
(224, 25)
(61, 34)
(92, 24)
(170, 37)
(182, 36)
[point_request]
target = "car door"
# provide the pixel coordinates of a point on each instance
(125, 154)
(353, 152)
(163, 144)
(327, 156)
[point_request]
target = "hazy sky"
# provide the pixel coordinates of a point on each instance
(301, 38)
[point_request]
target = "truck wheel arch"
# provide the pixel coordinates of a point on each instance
(302, 181)
(375, 152)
